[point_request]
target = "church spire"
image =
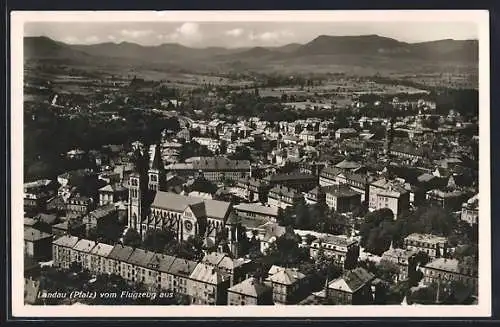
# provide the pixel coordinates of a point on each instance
(156, 161)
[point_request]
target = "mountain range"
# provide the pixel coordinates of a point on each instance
(331, 50)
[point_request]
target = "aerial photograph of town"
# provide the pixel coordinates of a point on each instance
(250, 163)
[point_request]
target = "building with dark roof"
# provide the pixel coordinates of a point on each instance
(178, 276)
(335, 176)
(353, 287)
(79, 205)
(208, 285)
(450, 200)
(138, 268)
(101, 216)
(37, 193)
(344, 133)
(99, 262)
(256, 211)
(408, 152)
(215, 169)
(232, 269)
(252, 189)
(401, 258)
(82, 253)
(443, 269)
(112, 193)
(300, 181)
(341, 198)
(117, 260)
(390, 194)
(337, 247)
(62, 250)
(37, 244)
(282, 196)
(433, 245)
(287, 284)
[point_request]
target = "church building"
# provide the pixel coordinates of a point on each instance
(150, 207)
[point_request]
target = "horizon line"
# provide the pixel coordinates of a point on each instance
(242, 47)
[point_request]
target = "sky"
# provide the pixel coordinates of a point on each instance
(242, 34)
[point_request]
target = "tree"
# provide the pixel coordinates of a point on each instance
(156, 240)
(423, 295)
(191, 249)
(387, 270)
(285, 250)
(300, 214)
(242, 153)
(132, 238)
(377, 231)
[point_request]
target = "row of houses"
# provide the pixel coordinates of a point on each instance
(206, 282)
(216, 280)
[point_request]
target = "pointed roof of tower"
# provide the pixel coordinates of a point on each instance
(156, 162)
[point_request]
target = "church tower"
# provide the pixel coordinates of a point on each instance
(134, 203)
(156, 170)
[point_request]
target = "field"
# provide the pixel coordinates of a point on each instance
(341, 88)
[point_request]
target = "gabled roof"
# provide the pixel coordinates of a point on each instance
(173, 201)
(217, 209)
(102, 250)
(337, 240)
(176, 202)
(103, 211)
(198, 209)
(207, 274)
(450, 265)
(250, 287)
(112, 188)
(141, 257)
(274, 269)
(120, 252)
(84, 246)
(352, 280)
(213, 258)
(163, 261)
(257, 208)
(33, 235)
(182, 267)
(330, 170)
(340, 191)
(228, 263)
(66, 241)
(46, 218)
(347, 164)
(286, 276)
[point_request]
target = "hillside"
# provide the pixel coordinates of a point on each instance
(364, 50)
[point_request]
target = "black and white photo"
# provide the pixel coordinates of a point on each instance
(281, 162)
